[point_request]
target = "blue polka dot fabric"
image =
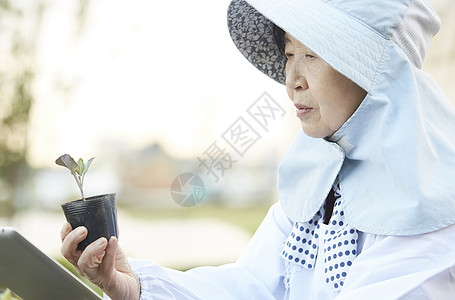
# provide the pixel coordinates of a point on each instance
(302, 245)
(337, 240)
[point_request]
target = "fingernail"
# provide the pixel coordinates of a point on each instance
(100, 241)
(80, 231)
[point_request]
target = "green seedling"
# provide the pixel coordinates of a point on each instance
(78, 169)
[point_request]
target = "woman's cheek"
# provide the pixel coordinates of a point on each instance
(290, 94)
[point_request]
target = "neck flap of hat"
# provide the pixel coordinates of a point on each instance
(395, 157)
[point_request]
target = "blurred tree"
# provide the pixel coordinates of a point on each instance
(19, 28)
(20, 23)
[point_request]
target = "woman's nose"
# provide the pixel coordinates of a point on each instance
(295, 78)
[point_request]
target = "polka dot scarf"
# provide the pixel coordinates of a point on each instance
(337, 239)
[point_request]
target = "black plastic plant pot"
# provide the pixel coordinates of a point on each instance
(98, 214)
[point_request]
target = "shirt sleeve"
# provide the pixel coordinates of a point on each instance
(257, 274)
(411, 267)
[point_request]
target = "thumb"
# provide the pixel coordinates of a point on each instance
(91, 258)
(108, 265)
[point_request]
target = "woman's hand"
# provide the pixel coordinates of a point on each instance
(102, 262)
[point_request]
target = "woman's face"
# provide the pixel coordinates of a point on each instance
(324, 98)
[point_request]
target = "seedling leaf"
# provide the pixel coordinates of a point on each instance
(87, 165)
(80, 167)
(67, 161)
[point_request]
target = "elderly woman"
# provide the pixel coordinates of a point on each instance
(367, 204)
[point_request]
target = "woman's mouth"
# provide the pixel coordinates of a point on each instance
(302, 110)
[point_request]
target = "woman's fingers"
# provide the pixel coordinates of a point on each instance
(91, 260)
(109, 259)
(102, 262)
(107, 269)
(70, 242)
(65, 230)
(120, 280)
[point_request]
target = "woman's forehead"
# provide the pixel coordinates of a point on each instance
(289, 39)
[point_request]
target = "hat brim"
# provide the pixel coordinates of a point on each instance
(347, 45)
(253, 35)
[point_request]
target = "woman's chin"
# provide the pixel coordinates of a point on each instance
(315, 132)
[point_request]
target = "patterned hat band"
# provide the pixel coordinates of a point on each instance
(258, 39)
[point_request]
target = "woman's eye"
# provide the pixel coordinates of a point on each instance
(289, 55)
(310, 56)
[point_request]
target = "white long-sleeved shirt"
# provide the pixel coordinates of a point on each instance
(387, 267)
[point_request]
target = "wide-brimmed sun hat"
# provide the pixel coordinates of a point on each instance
(329, 28)
(395, 155)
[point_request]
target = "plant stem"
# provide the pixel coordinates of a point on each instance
(79, 183)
